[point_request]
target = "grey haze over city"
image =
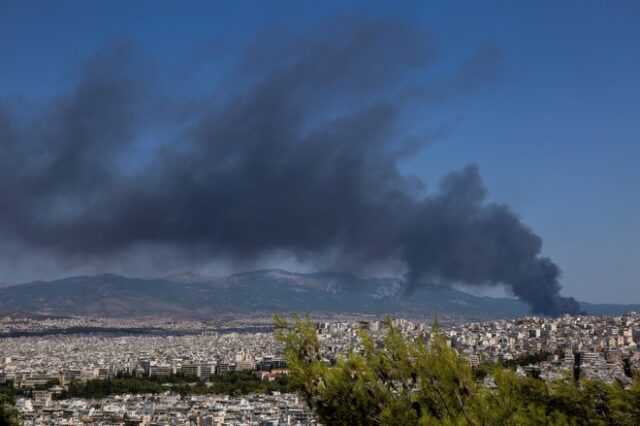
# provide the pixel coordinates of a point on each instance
(291, 157)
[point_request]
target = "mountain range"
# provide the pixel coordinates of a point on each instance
(193, 296)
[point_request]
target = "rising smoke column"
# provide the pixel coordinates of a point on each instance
(302, 157)
(458, 237)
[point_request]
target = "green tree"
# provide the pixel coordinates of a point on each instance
(625, 403)
(9, 416)
(403, 383)
(400, 381)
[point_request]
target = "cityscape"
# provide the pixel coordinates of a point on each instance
(42, 367)
(319, 213)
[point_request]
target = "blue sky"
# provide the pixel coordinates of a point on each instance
(556, 134)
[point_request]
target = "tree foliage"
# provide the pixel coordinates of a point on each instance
(232, 383)
(9, 416)
(399, 381)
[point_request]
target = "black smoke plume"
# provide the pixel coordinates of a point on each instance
(297, 151)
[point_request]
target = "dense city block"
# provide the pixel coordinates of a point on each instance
(149, 372)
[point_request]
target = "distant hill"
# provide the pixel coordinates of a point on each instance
(193, 296)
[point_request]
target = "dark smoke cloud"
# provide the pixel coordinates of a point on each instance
(300, 156)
